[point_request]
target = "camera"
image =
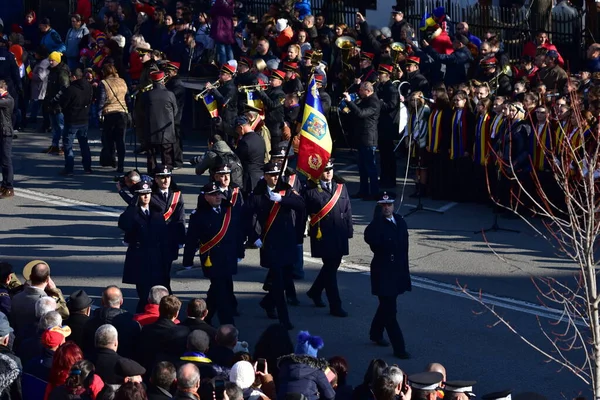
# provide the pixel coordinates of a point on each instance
(120, 179)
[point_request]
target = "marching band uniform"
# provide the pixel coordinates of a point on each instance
(330, 210)
(175, 86)
(272, 99)
(148, 256)
(247, 78)
(389, 100)
(226, 97)
(169, 202)
(416, 80)
(368, 74)
(293, 84)
(273, 211)
(217, 232)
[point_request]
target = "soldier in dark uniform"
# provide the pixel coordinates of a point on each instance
(149, 65)
(226, 97)
(168, 199)
(416, 80)
(175, 86)
(500, 83)
(273, 99)
(7, 105)
(292, 82)
(251, 152)
(328, 205)
(387, 235)
(144, 85)
(213, 228)
(244, 77)
(367, 72)
(390, 101)
(147, 260)
(160, 107)
(9, 71)
(272, 204)
(321, 81)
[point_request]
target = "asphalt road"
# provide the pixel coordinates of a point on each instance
(72, 224)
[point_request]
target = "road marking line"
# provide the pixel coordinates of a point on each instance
(421, 282)
(442, 209)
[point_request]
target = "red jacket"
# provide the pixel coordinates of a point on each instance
(530, 50)
(135, 66)
(147, 8)
(84, 8)
(149, 316)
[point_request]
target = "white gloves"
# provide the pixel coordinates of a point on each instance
(258, 243)
(276, 197)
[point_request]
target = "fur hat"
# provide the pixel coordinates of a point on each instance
(242, 374)
(308, 344)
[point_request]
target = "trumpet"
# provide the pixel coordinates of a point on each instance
(200, 95)
(249, 88)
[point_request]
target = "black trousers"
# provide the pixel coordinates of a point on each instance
(6, 161)
(219, 299)
(385, 319)
(166, 155)
(113, 136)
(143, 290)
(178, 148)
(278, 276)
(327, 280)
(387, 159)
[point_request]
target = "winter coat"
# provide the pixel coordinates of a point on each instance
(11, 374)
(9, 72)
(75, 102)
(457, 64)
(222, 22)
(176, 222)
(122, 320)
(73, 40)
(251, 152)
(161, 107)
(175, 86)
(52, 42)
(304, 374)
(161, 341)
(366, 117)
(7, 105)
(418, 83)
(39, 79)
(389, 102)
(58, 80)
(303, 8)
(390, 275)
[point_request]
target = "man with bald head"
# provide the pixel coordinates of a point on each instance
(112, 313)
(463, 29)
(39, 284)
(188, 382)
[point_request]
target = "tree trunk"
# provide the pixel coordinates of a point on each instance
(542, 12)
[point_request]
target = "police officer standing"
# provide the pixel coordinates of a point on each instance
(226, 97)
(147, 260)
(272, 203)
(214, 229)
(168, 199)
(328, 205)
(160, 108)
(387, 235)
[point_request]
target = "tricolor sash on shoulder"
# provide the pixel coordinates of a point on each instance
(275, 209)
(328, 207)
(220, 235)
(173, 206)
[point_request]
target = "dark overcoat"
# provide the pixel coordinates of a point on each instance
(175, 222)
(160, 107)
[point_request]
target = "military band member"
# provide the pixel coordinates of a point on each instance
(416, 80)
(175, 86)
(215, 230)
(168, 199)
(273, 99)
(244, 77)
(389, 100)
(367, 72)
(328, 205)
(148, 256)
(226, 97)
(292, 83)
(257, 123)
(272, 203)
(387, 236)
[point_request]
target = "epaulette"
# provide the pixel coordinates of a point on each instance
(146, 88)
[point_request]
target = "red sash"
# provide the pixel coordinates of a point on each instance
(328, 207)
(220, 235)
(275, 209)
(234, 195)
(173, 206)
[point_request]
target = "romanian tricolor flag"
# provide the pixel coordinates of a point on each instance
(29, 71)
(211, 105)
(315, 141)
(254, 101)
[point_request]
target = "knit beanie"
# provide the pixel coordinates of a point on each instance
(281, 24)
(242, 374)
(55, 56)
(308, 345)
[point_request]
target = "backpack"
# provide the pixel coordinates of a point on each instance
(237, 171)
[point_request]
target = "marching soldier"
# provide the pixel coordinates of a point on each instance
(390, 101)
(174, 85)
(213, 227)
(292, 79)
(160, 108)
(273, 99)
(226, 97)
(272, 204)
(167, 198)
(328, 205)
(387, 235)
(148, 257)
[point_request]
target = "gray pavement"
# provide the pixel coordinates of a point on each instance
(71, 223)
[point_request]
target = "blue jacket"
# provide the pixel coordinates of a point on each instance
(457, 64)
(303, 7)
(594, 65)
(304, 374)
(52, 42)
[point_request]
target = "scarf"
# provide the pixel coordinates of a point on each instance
(458, 140)
(481, 147)
(540, 142)
(434, 131)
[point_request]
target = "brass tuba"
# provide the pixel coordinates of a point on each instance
(346, 44)
(397, 50)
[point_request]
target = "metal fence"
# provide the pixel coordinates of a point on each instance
(335, 11)
(514, 26)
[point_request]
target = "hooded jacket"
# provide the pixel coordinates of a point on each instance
(75, 102)
(304, 374)
(73, 40)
